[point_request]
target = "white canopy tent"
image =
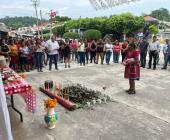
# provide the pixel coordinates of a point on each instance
(104, 4)
(5, 126)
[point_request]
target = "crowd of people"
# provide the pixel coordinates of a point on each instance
(33, 53)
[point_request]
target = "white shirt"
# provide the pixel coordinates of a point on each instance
(52, 47)
(108, 47)
(154, 46)
(5, 126)
(81, 48)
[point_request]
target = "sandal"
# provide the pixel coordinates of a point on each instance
(128, 90)
(132, 92)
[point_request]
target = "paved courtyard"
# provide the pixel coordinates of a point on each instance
(144, 116)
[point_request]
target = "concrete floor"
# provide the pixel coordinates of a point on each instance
(144, 116)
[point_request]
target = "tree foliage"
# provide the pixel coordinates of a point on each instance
(16, 22)
(59, 31)
(161, 14)
(153, 29)
(116, 24)
(62, 18)
(92, 34)
(71, 35)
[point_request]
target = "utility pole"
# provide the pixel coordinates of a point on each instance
(41, 23)
(51, 23)
(36, 4)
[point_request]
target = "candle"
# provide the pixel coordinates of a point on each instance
(55, 93)
(59, 89)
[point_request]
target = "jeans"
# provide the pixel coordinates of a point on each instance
(116, 57)
(108, 55)
(167, 60)
(101, 57)
(143, 59)
(39, 60)
(82, 58)
(153, 55)
(53, 59)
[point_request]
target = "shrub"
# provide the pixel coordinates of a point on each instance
(71, 35)
(92, 34)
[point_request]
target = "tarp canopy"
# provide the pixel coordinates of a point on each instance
(3, 28)
(150, 19)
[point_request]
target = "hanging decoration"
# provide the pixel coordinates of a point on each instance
(105, 4)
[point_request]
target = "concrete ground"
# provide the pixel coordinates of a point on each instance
(144, 116)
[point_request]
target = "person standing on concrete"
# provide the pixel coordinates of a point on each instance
(132, 68)
(124, 50)
(165, 47)
(167, 55)
(153, 53)
(108, 49)
(87, 51)
(116, 52)
(100, 49)
(66, 53)
(53, 47)
(74, 46)
(82, 52)
(143, 47)
(93, 49)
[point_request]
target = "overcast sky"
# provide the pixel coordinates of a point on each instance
(76, 8)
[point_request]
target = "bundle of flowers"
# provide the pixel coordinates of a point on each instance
(50, 103)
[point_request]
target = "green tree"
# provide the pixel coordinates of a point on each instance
(153, 29)
(16, 22)
(92, 34)
(71, 35)
(161, 14)
(59, 31)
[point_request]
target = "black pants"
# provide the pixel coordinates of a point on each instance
(123, 56)
(53, 59)
(152, 55)
(143, 59)
(93, 56)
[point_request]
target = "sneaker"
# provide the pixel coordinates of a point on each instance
(69, 66)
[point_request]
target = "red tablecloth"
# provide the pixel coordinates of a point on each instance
(22, 88)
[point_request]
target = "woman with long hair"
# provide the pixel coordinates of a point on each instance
(132, 67)
(39, 51)
(66, 53)
(14, 55)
